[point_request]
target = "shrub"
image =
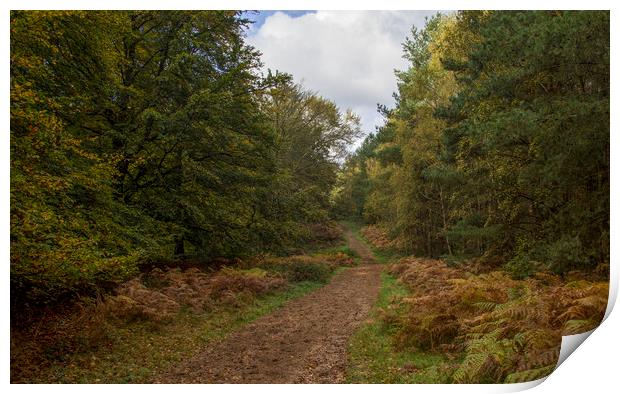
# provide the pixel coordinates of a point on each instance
(565, 254)
(335, 260)
(255, 282)
(377, 237)
(136, 301)
(301, 271)
(520, 267)
(159, 295)
(317, 268)
(350, 252)
(300, 268)
(325, 233)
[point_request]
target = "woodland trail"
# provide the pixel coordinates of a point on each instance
(305, 341)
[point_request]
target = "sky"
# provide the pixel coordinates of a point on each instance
(348, 57)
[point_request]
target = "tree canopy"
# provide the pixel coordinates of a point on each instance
(498, 146)
(139, 136)
(146, 136)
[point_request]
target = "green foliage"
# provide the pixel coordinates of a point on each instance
(68, 234)
(350, 252)
(521, 267)
(565, 254)
(300, 269)
(498, 146)
(140, 136)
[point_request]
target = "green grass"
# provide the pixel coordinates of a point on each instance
(137, 352)
(383, 256)
(373, 358)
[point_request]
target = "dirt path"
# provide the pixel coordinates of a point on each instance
(302, 342)
(359, 247)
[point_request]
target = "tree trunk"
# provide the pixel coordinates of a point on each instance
(179, 247)
(445, 222)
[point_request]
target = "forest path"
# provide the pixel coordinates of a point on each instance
(359, 247)
(305, 341)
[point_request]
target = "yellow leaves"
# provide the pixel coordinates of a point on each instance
(137, 162)
(451, 41)
(49, 183)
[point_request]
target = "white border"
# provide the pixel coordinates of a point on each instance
(310, 5)
(593, 368)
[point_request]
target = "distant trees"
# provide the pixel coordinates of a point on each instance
(312, 136)
(498, 146)
(141, 135)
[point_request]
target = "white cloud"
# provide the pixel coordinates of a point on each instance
(346, 56)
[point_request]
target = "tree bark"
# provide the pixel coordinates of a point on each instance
(445, 222)
(179, 247)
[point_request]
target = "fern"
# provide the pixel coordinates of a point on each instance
(530, 374)
(470, 367)
(505, 329)
(573, 327)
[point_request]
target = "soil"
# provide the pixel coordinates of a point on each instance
(359, 247)
(305, 341)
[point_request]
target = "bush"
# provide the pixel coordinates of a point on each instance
(255, 282)
(301, 271)
(343, 258)
(377, 237)
(565, 254)
(159, 295)
(521, 267)
(300, 268)
(317, 268)
(560, 257)
(325, 233)
(350, 252)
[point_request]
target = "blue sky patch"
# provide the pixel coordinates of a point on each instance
(258, 17)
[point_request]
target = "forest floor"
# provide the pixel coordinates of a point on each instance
(305, 341)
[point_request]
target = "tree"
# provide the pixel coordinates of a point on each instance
(312, 137)
(502, 131)
(148, 136)
(532, 122)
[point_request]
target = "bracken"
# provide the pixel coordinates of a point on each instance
(506, 330)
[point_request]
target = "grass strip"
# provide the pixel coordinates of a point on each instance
(373, 358)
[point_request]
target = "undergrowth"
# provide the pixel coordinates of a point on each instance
(138, 351)
(373, 356)
(469, 323)
(383, 253)
(158, 318)
(505, 330)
